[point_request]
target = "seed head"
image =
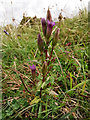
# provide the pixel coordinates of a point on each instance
(49, 17)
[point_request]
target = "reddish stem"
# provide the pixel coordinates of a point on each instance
(46, 55)
(40, 92)
(43, 78)
(48, 70)
(51, 53)
(45, 50)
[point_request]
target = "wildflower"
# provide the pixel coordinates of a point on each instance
(56, 37)
(44, 26)
(49, 17)
(33, 70)
(44, 68)
(49, 28)
(40, 43)
(6, 32)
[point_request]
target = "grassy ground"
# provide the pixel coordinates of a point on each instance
(66, 93)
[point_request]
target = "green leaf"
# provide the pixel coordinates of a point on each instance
(15, 106)
(39, 85)
(78, 85)
(35, 100)
(71, 80)
(40, 110)
(9, 112)
(83, 88)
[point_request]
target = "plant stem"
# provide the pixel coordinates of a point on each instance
(50, 57)
(43, 78)
(42, 58)
(46, 55)
(51, 53)
(24, 84)
(20, 75)
(40, 92)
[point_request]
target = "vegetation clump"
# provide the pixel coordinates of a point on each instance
(45, 69)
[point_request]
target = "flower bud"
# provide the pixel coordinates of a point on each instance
(44, 68)
(44, 26)
(40, 43)
(33, 70)
(56, 37)
(49, 28)
(49, 17)
(6, 32)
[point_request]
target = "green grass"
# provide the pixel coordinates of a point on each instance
(68, 94)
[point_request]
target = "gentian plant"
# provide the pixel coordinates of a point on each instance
(43, 45)
(46, 46)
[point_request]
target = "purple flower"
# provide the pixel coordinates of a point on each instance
(49, 28)
(44, 26)
(33, 67)
(40, 43)
(33, 70)
(6, 32)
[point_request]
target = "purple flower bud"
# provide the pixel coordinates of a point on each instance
(56, 37)
(6, 32)
(33, 67)
(40, 43)
(49, 28)
(44, 68)
(44, 26)
(49, 17)
(33, 70)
